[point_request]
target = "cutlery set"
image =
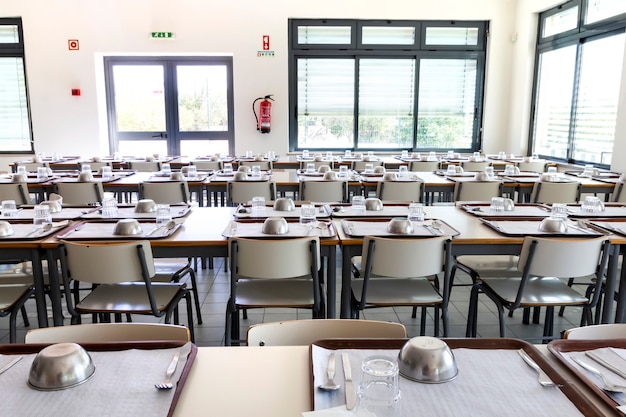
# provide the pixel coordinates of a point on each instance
(330, 384)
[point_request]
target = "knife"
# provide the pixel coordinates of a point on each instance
(347, 370)
(10, 364)
(606, 364)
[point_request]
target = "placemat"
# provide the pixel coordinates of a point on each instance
(379, 228)
(387, 211)
(609, 211)
(122, 385)
(104, 231)
(614, 227)
(128, 212)
(521, 228)
(506, 386)
(245, 212)
(520, 210)
(68, 213)
(250, 229)
(28, 231)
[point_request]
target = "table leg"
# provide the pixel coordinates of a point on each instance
(55, 288)
(40, 296)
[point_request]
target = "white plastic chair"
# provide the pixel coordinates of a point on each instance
(305, 332)
(263, 165)
(273, 273)
(241, 192)
(598, 331)
(14, 191)
(166, 192)
(423, 166)
(12, 299)
(412, 191)
(477, 190)
(475, 166)
(317, 164)
(207, 165)
(145, 166)
(397, 272)
(80, 192)
(619, 196)
(532, 166)
(361, 165)
(555, 192)
(324, 191)
(108, 332)
(94, 166)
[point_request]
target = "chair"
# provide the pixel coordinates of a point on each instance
(396, 273)
(475, 166)
(241, 192)
(273, 273)
(208, 165)
(108, 332)
(94, 166)
(32, 166)
(423, 166)
(555, 192)
(14, 191)
(80, 192)
(619, 196)
(532, 166)
(477, 190)
(598, 331)
(317, 164)
(360, 165)
(166, 192)
(145, 166)
(305, 332)
(263, 165)
(12, 299)
(122, 277)
(412, 191)
(543, 262)
(324, 191)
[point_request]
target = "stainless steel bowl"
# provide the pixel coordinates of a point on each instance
(400, 225)
(373, 204)
(240, 176)
(5, 229)
(482, 176)
(379, 169)
(19, 178)
(149, 158)
(145, 206)
(85, 177)
(546, 178)
(322, 169)
(96, 159)
(331, 176)
(390, 176)
(284, 204)
(318, 158)
(244, 168)
(259, 158)
(552, 225)
(54, 205)
(127, 227)
(275, 226)
(509, 204)
(60, 366)
(427, 359)
(177, 176)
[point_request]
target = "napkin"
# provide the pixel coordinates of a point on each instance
(339, 411)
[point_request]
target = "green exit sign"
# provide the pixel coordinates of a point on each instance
(162, 35)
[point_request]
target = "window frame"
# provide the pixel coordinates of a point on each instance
(17, 50)
(358, 51)
(582, 34)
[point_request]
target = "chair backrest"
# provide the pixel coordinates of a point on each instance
(145, 166)
(555, 192)
(404, 258)
(304, 332)
(423, 166)
(14, 191)
(31, 166)
(207, 165)
(475, 166)
(324, 191)
(275, 258)
(532, 166)
(263, 165)
(94, 166)
(303, 164)
(170, 192)
(619, 196)
(109, 263)
(477, 190)
(80, 192)
(412, 191)
(108, 332)
(360, 165)
(241, 192)
(598, 331)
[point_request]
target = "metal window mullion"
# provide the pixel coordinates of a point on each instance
(574, 106)
(357, 92)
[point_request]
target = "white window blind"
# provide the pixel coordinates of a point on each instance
(14, 119)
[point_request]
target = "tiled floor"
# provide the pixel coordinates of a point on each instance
(213, 286)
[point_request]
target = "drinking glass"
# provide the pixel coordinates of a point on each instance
(163, 214)
(166, 169)
(307, 213)
(501, 155)
(535, 155)
(42, 173)
(107, 172)
(403, 171)
(416, 212)
(369, 168)
(109, 208)
(343, 171)
(497, 205)
(305, 153)
(358, 203)
(559, 211)
(489, 171)
(451, 169)
(405, 153)
(347, 153)
(249, 154)
(85, 168)
(476, 155)
(588, 170)
(192, 171)
(228, 168)
(329, 155)
(592, 204)
(378, 393)
(370, 153)
(450, 155)
(256, 171)
(258, 206)
(9, 208)
(509, 169)
(42, 215)
(432, 156)
(21, 169)
(310, 168)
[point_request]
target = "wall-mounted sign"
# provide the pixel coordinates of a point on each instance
(72, 44)
(162, 35)
(266, 52)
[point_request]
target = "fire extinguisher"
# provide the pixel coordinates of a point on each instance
(264, 119)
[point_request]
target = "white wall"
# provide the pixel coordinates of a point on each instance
(76, 126)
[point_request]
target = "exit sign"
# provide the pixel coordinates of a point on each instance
(162, 35)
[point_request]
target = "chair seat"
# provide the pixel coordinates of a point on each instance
(11, 294)
(131, 298)
(398, 292)
(489, 265)
(275, 293)
(165, 270)
(539, 291)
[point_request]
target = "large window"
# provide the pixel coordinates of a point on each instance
(175, 106)
(386, 85)
(578, 74)
(15, 127)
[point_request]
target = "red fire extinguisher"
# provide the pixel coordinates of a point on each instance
(264, 119)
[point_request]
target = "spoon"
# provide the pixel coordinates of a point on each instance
(168, 226)
(330, 384)
(42, 229)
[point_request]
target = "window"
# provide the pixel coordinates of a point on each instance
(386, 85)
(170, 105)
(579, 69)
(15, 126)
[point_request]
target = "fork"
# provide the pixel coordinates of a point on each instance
(167, 384)
(543, 378)
(606, 385)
